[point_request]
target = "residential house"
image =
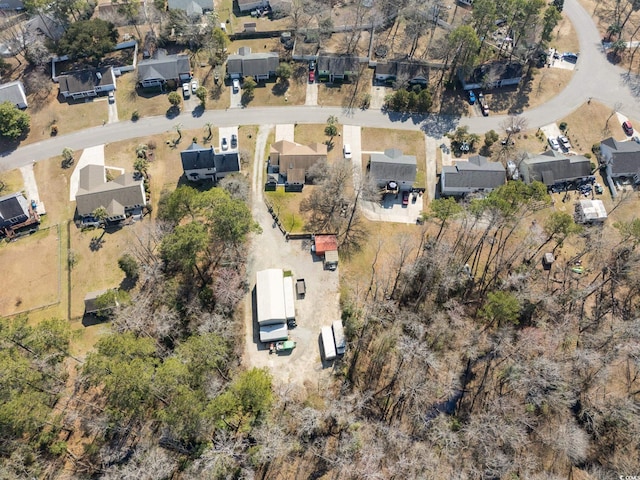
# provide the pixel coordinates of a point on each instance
(87, 83)
(201, 163)
(11, 5)
(42, 27)
(121, 197)
(13, 92)
(555, 169)
(477, 174)
(293, 160)
(411, 73)
(260, 66)
(496, 74)
(156, 72)
(14, 210)
(393, 166)
(622, 160)
(334, 67)
(193, 8)
(248, 5)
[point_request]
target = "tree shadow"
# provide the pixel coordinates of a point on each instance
(127, 284)
(246, 98)
(198, 111)
(280, 88)
(96, 243)
(172, 112)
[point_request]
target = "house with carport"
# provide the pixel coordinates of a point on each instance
(259, 66)
(332, 68)
(393, 169)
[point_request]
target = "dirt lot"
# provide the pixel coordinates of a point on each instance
(28, 288)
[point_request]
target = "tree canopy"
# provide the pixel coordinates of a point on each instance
(13, 121)
(90, 39)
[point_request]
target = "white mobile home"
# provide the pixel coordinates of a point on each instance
(328, 345)
(338, 335)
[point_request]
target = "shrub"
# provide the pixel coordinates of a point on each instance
(135, 116)
(563, 126)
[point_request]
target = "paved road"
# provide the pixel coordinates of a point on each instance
(594, 77)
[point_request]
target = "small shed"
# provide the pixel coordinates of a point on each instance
(91, 304)
(547, 260)
(325, 243)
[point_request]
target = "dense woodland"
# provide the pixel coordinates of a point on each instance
(466, 359)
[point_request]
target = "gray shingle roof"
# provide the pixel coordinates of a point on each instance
(85, 80)
(116, 196)
(393, 165)
(337, 65)
(196, 158)
(13, 92)
(164, 67)
(250, 64)
(192, 7)
(625, 157)
(553, 167)
(476, 174)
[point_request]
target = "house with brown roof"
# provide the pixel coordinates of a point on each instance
(260, 66)
(124, 196)
(87, 83)
(292, 160)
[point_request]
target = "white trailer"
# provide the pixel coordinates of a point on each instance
(270, 297)
(328, 345)
(338, 335)
(289, 304)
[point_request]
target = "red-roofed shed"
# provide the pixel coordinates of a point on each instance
(325, 243)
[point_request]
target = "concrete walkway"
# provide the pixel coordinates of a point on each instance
(286, 132)
(90, 156)
(30, 184)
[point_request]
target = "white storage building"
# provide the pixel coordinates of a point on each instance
(338, 335)
(289, 303)
(328, 345)
(270, 297)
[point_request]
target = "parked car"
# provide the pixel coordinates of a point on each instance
(185, 90)
(234, 141)
(312, 76)
(564, 141)
(194, 85)
(627, 127)
(236, 85)
(225, 144)
(112, 97)
(312, 66)
(598, 188)
(553, 142)
(405, 198)
(570, 57)
(472, 97)
(346, 150)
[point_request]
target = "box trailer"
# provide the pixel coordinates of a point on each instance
(328, 344)
(289, 303)
(338, 336)
(331, 259)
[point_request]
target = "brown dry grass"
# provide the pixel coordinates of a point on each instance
(339, 42)
(130, 100)
(307, 134)
(53, 188)
(31, 266)
(12, 180)
(348, 95)
(275, 94)
(287, 207)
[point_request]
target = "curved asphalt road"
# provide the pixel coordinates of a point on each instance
(593, 77)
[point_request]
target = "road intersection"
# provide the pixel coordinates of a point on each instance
(594, 78)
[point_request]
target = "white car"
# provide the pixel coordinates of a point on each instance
(236, 85)
(554, 143)
(346, 150)
(564, 141)
(185, 90)
(194, 85)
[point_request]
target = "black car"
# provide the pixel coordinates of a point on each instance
(234, 141)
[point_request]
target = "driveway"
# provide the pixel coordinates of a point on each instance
(113, 111)
(312, 94)
(431, 172)
(378, 93)
(235, 98)
(320, 306)
(90, 156)
(226, 132)
(390, 209)
(351, 134)
(285, 131)
(551, 131)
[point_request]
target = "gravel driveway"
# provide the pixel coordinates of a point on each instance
(320, 306)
